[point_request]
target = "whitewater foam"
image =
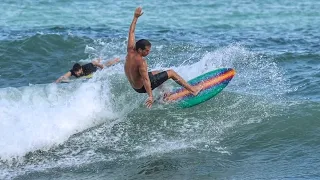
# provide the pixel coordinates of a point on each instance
(256, 74)
(40, 116)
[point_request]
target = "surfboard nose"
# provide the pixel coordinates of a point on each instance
(231, 71)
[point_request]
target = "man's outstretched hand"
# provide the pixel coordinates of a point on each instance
(138, 12)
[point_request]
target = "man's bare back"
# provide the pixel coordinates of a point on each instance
(131, 67)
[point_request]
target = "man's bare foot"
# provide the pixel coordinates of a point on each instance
(197, 89)
(165, 96)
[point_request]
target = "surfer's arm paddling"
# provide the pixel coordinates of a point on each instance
(107, 64)
(112, 62)
(64, 77)
(97, 63)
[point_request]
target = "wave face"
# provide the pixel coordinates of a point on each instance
(263, 125)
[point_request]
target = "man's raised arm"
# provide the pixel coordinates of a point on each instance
(131, 41)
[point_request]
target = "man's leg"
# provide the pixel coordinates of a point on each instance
(157, 72)
(178, 79)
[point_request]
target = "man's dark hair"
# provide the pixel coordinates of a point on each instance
(142, 43)
(76, 67)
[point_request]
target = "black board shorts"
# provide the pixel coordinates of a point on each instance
(155, 80)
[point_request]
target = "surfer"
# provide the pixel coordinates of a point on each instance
(136, 67)
(86, 69)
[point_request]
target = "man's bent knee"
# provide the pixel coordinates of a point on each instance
(171, 73)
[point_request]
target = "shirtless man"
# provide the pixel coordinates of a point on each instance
(136, 67)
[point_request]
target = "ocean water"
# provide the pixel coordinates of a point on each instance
(264, 125)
